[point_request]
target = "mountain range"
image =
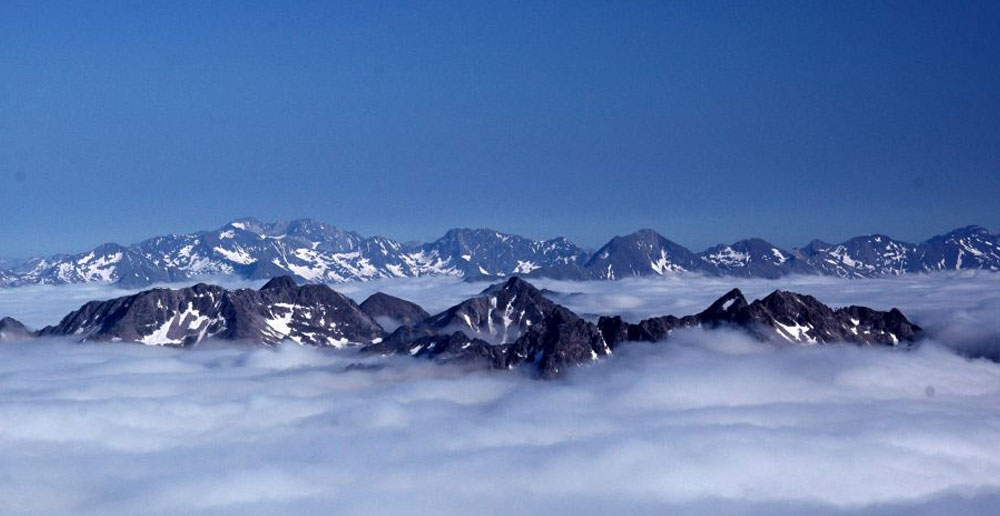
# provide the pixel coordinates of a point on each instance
(315, 252)
(509, 325)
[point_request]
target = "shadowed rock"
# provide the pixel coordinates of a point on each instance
(511, 324)
(280, 310)
(380, 306)
(781, 316)
(11, 330)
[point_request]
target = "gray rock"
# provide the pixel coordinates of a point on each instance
(12, 330)
(781, 316)
(280, 310)
(397, 312)
(511, 324)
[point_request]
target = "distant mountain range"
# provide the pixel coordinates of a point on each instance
(315, 252)
(509, 325)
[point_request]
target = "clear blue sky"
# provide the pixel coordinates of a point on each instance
(706, 121)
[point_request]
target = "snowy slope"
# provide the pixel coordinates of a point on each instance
(316, 252)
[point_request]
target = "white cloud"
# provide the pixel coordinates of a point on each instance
(706, 423)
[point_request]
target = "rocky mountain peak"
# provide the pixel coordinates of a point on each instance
(726, 307)
(392, 312)
(515, 285)
(11, 329)
(281, 283)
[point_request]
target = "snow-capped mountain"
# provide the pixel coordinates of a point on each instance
(315, 252)
(860, 257)
(753, 258)
(971, 247)
(642, 253)
(309, 250)
(511, 324)
(484, 252)
(647, 253)
(106, 263)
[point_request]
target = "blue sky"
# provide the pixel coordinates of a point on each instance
(706, 121)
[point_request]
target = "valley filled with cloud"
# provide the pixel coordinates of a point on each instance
(705, 422)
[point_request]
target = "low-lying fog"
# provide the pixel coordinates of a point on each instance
(706, 423)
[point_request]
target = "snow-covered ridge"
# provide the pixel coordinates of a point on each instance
(320, 253)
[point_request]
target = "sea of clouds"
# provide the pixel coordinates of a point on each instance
(705, 423)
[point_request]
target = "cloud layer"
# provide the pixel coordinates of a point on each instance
(710, 422)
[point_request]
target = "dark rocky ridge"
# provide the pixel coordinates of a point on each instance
(781, 316)
(554, 338)
(401, 312)
(280, 310)
(509, 325)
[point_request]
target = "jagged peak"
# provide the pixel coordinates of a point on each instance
(244, 223)
(197, 288)
(280, 283)
(729, 303)
(814, 246)
(642, 234)
(477, 233)
(787, 296)
(746, 243)
(874, 237)
(733, 295)
(781, 294)
(515, 284)
(307, 225)
(972, 229)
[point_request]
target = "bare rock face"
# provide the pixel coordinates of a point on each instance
(280, 310)
(395, 311)
(561, 340)
(511, 324)
(500, 314)
(781, 316)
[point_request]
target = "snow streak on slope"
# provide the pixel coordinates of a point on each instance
(321, 253)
